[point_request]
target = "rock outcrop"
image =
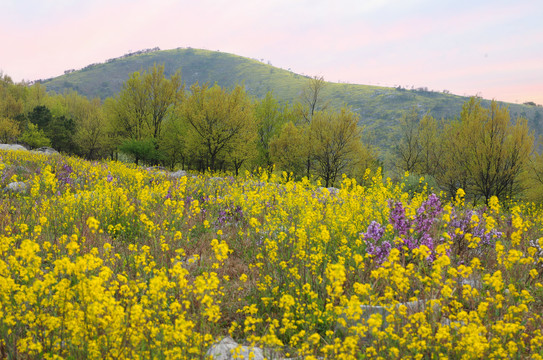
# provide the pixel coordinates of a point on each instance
(228, 349)
(17, 187)
(12, 147)
(46, 150)
(178, 174)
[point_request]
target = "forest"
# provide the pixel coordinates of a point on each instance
(156, 121)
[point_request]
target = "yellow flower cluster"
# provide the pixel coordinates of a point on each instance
(106, 260)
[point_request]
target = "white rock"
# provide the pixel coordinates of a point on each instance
(18, 186)
(178, 174)
(474, 283)
(228, 349)
(12, 147)
(46, 150)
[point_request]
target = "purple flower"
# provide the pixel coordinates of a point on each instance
(64, 175)
(398, 219)
(379, 252)
(427, 213)
(375, 231)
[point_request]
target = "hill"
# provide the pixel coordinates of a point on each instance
(379, 107)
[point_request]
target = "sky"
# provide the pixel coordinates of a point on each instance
(489, 48)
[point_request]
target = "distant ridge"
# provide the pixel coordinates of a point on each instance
(379, 107)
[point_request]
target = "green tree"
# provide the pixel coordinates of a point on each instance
(499, 150)
(143, 105)
(408, 149)
(337, 145)
(61, 132)
(144, 102)
(12, 97)
(430, 147)
(287, 150)
(37, 96)
(311, 102)
(144, 150)
(452, 172)
(163, 95)
(244, 147)
(484, 152)
(534, 176)
(173, 143)
(92, 134)
(34, 137)
(129, 111)
(270, 119)
(9, 130)
(58, 129)
(312, 99)
(41, 116)
(217, 120)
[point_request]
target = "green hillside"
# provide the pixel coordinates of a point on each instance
(379, 107)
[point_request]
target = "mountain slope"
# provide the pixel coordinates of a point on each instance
(379, 107)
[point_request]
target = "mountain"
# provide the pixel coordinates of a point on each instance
(379, 107)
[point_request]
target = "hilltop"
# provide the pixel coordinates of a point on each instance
(379, 107)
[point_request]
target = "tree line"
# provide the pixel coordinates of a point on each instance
(156, 120)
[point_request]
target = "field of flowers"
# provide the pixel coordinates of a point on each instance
(108, 261)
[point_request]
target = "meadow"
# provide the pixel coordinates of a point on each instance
(105, 260)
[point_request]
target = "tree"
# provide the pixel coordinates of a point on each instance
(40, 116)
(11, 97)
(163, 95)
(408, 150)
(37, 95)
(144, 149)
(173, 144)
(217, 120)
(429, 145)
(34, 137)
(498, 149)
(534, 175)
(58, 129)
(287, 152)
(484, 153)
(451, 173)
(243, 148)
(337, 145)
(311, 102)
(270, 120)
(145, 102)
(92, 134)
(9, 130)
(312, 98)
(61, 132)
(127, 110)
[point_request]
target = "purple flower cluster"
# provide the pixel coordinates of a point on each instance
(422, 230)
(398, 219)
(374, 246)
(63, 175)
(461, 224)
(426, 216)
(229, 214)
(427, 213)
